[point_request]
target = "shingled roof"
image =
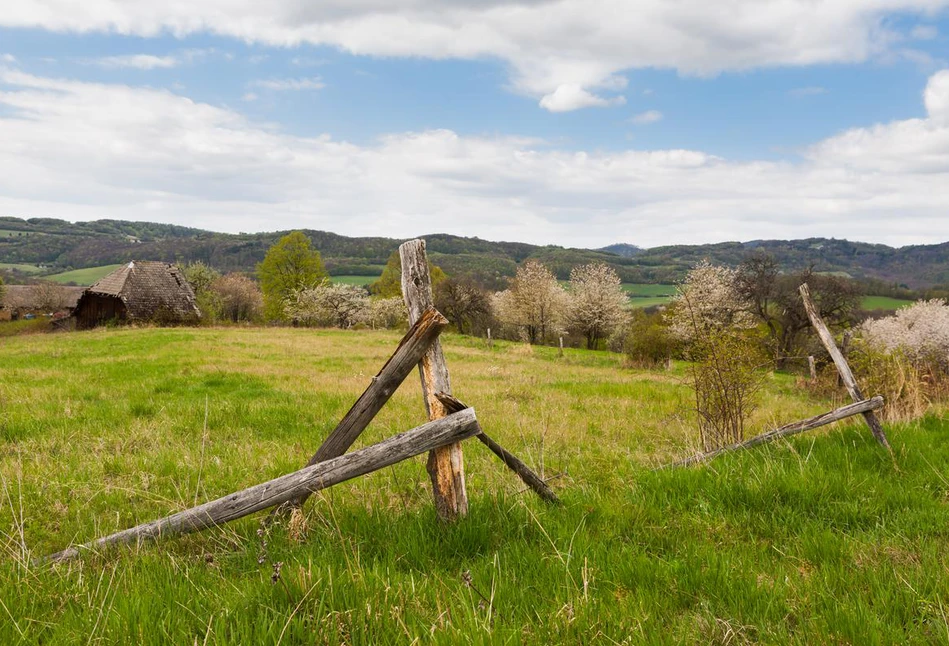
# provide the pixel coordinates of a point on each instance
(149, 289)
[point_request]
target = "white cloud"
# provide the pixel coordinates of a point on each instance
(573, 97)
(283, 85)
(649, 116)
(923, 32)
(249, 97)
(136, 61)
(79, 150)
(7, 58)
(548, 44)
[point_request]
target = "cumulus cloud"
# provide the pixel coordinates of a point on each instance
(573, 97)
(649, 116)
(79, 150)
(137, 61)
(548, 44)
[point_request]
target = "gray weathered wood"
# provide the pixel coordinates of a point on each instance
(453, 428)
(524, 472)
(788, 430)
(409, 352)
(812, 366)
(843, 368)
(446, 465)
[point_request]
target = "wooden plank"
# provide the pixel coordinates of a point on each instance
(788, 430)
(524, 472)
(409, 352)
(843, 368)
(446, 465)
(453, 428)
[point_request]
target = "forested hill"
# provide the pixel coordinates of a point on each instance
(61, 245)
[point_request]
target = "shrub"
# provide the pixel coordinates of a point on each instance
(648, 340)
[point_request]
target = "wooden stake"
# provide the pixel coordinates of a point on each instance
(409, 352)
(453, 428)
(446, 465)
(561, 346)
(524, 472)
(490, 344)
(843, 368)
(812, 365)
(788, 430)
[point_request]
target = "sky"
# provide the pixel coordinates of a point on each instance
(578, 123)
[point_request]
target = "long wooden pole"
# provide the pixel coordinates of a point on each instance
(789, 430)
(524, 472)
(446, 465)
(453, 428)
(843, 368)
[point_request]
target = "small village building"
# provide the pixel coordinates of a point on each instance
(143, 291)
(43, 299)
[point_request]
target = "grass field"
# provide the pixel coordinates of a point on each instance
(21, 267)
(354, 280)
(883, 303)
(85, 276)
(823, 539)
(648, 295)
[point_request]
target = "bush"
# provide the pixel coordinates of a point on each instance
(648, 341)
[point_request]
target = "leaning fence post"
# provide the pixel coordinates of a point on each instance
(843, 368)
(446, 465)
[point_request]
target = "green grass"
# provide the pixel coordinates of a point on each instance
(883, 303)
(823, 539)
(21, 267)
(85, 276)
(354, 280)
(645, 289)
(14, 233)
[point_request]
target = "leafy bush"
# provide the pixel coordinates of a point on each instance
(648, 340)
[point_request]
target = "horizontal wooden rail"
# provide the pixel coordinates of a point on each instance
(322, 475)
(788, 430)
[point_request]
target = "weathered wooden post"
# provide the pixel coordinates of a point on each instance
(812, 365)
(561, 346)
(490, 343)
(843, 368)
(446, 465)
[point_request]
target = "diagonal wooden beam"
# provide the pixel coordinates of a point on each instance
(524, 472)
(843, 368)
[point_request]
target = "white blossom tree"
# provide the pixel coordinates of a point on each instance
(328, 305)
(920, 332)
(535, 303)
(597, 304)
(708, 301)
(387, 312)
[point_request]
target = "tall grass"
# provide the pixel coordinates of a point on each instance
(822, 539)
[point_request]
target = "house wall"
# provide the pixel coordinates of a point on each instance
(94, 310)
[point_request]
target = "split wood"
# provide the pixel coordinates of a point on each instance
(446, 466)
(788, 430)
(310, 479)
(843, 368)
(524, 472)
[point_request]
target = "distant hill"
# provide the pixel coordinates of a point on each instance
(58, 246)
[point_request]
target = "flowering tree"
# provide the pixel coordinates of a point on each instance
(388, 312)
(535, 303)
(328, 305)
(708, 301)
(238, 298)
(597, 303)
(920, 332)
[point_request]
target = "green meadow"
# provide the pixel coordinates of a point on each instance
(85, 276)
(354, 280)
(883, 303)
(821, 539)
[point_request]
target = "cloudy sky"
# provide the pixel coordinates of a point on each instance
(571, 122)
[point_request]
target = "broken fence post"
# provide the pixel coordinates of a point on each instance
(322, 475)
(446, 465)
(843, 368)
(788, 430)
(812, 366)
(524, 472)
(410, 350)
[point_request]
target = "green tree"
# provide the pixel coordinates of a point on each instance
(290, 264)
(390, 282)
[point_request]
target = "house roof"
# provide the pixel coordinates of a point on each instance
(40, 296)
(148, 287)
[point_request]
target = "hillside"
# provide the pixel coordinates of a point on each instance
(58, 246)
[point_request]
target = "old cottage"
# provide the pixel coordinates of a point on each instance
(145, 291)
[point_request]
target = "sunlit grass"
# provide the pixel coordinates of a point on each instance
(821, 539)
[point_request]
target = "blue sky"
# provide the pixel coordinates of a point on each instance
(573, 123)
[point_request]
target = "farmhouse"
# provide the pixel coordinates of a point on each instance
(41, 299)
(139, 291)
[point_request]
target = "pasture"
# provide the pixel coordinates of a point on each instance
(871, 303)
(821, 539)
(85, 276)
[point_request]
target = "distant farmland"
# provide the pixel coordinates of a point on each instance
(85, 276)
